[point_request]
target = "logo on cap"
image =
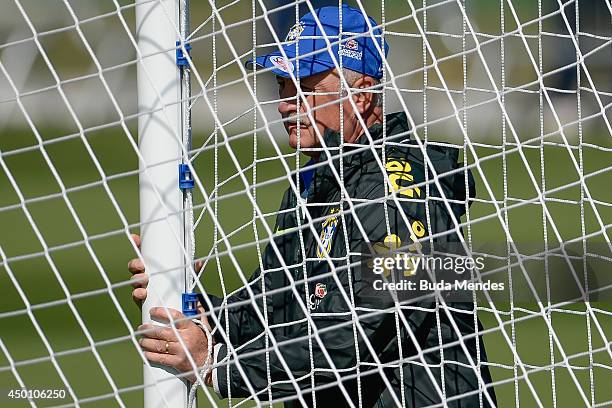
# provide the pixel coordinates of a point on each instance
(294, 32)
(351, 44)
(350, 49)
(282, 63)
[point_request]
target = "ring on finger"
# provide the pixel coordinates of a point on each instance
(167, 348)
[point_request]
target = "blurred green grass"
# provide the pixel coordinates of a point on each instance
(102, 315)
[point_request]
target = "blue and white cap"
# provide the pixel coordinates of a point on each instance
(358, 50)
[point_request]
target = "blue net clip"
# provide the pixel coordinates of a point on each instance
(185, 178)
(190, 303)
(181, 59)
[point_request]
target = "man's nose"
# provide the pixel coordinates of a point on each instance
(285, 107)
(288, 101)
(287, 104)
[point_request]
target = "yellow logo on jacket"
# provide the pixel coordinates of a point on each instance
(399, 173)
(392, 243)
(328, 228)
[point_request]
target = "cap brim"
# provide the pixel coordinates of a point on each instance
(284, 67)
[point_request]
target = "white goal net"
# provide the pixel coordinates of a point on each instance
(483, 134)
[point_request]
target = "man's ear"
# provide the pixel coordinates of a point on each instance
(364, 100)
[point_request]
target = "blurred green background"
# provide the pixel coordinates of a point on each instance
(85, 284)
(109, 332)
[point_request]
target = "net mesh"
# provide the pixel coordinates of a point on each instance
(522, 91)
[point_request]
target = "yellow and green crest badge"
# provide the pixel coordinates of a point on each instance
(294, 32)
(328, 228)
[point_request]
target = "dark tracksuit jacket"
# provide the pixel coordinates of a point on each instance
(391, 338)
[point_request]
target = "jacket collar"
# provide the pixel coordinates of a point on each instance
(444, 159)
(397, 124)
(353, 157)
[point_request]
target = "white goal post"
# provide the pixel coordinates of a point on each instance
(143, 117)
(161, 204)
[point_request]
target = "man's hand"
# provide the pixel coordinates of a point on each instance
(139, 278)
(160, 344)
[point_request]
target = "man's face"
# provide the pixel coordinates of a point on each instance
(321, 95)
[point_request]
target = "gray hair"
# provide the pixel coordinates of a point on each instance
(352, 77)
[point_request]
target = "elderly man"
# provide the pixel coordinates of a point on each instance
(361, 347)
